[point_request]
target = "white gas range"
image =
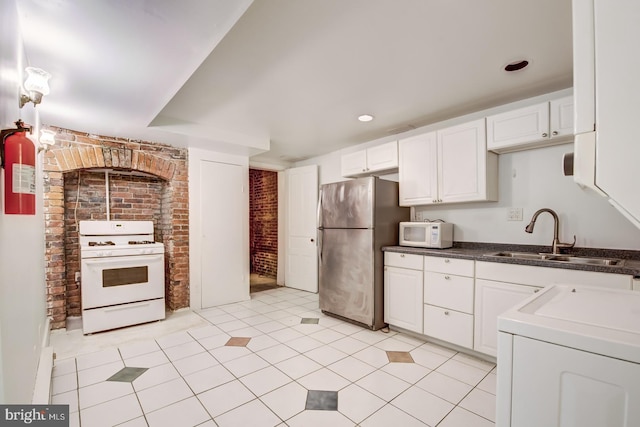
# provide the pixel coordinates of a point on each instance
(122, 274)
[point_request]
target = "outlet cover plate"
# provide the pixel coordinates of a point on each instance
(514, 214)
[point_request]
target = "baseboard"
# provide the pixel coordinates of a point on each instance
(42, 387)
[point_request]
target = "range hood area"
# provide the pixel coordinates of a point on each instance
(606, 105)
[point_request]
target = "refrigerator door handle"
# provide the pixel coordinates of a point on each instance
(320, 233)
(319, 212)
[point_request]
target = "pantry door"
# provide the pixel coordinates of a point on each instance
(223, 198)
(301, 269)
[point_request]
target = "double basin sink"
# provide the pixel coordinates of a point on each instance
(558, 257)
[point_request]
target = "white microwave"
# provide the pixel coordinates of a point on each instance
(426, 234)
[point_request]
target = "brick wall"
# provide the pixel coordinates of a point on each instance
(154, 187)
(133, 198)
(263, 208)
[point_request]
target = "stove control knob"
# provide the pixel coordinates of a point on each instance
(99, 254)
(108, 253)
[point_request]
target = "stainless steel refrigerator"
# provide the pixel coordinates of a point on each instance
(355, 219)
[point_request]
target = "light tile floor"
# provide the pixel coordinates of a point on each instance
(196, 377)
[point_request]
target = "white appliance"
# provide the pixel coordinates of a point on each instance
(426, 234)
(355, 219)
(570, 357)
(122, 274)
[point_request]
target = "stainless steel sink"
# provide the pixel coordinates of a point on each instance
(558, 258)
(584, 260)
(520, 255)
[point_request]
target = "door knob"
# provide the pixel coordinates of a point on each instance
(312, 240)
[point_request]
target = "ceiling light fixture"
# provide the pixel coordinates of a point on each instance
(516, 65)
(36, 86)
(365, 118)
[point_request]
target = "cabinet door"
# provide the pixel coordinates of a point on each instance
(518, 127)
(491, 300)
(584, 60)
(417, 167)
(448, 325)
(449, 291)
(354, 164)
(403, 298)
(462, 163)
(617, 109)
(579, 388)
(561, 117)
(382, 157)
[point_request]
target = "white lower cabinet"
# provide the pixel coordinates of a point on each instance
(459, 300)
(448, 300)
(448, 325)
(499, 287)
(403, 287)
(580, 388)
(492, 299)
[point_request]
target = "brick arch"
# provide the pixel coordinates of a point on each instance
(75, 151)
(86, 157)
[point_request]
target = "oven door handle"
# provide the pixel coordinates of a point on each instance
(123, 259)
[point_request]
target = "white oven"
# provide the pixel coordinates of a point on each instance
(122, 274)
(121, 279)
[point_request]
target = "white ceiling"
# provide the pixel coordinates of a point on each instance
(287, 76)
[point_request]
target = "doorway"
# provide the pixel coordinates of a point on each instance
(263, 229)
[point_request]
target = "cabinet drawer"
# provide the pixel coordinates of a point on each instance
(448, 325)
(460, 267)
(449, 291)
(395, 259)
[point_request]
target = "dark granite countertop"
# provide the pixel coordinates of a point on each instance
(481, 252)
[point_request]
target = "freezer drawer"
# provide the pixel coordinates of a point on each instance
(346, 275)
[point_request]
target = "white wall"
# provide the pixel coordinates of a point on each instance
(196, 217)
(531, 180)
(22, 286)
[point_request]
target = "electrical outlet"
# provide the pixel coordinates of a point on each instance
(418, 216)
(514, 214)
(77, 276)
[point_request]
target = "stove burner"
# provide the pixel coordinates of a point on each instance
(107, 243)
(140, 242)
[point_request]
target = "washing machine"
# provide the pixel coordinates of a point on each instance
(570, 357)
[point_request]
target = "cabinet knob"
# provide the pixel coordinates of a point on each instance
(447, 277)
(544, 135)
(401, 255)
(535, 291)
(446, 313)
(554, 133)
(446, 260)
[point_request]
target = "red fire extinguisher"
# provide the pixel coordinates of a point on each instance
(19, 163)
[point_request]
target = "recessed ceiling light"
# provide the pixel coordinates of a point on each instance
(516, 65)
(365, 118)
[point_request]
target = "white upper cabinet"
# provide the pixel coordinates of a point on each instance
(546, 123)
(606, 91)
(448, 166)
(381, 158)
(418, 169)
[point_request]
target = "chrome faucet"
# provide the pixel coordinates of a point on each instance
(556, 245)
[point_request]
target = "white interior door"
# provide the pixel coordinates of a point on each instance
(223, 197)
(301, 269)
